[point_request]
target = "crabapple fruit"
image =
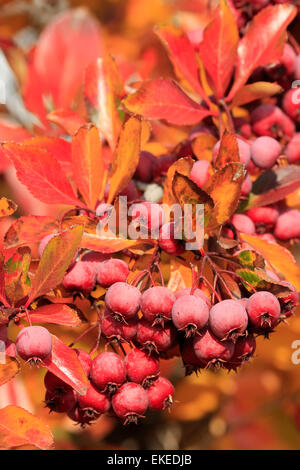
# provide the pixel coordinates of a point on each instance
(79, 416)
(123, 300)
(94, 259)
(94, 403)
(263, 310)
(61, 403)
(290, 104)
(196, 292)
(292, 150)
(264, 217)
(243, 223)
(162, 164)
(228, 319)
(200, 172)
(288, 302)
(269, 120)
(34, 343)
(190, 314)
(160, 394)
(246, 186)
(265, 151)
(168, 242)
(108, 372)
(141, 368)
(157, 303)
(244, 349)
(115, 330)
(189, 358)
(210, 350)
(130, 402)
(145, 168)
(288, 225)
(55, 385)
(154, 338)
(111, 271)
(84, 359)
(81, 277)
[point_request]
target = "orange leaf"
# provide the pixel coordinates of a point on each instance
(54, 262)
(126, 157)
(59, 314)
(9, 368)
(277, 256)
(228, 151)
(180, 276)
(68, 120)
(110, 245)
(182, 166)
(255, 91)
(19, 427)
(88, 168)
(7, 207)
(203, 146)
(29, 229)
(17, 282)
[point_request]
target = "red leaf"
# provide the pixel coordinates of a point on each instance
(262, 43)
(102, 87)
(41, 173)
(29, 229)
(164, 99)
(218, 50)
(64, 363)
(59, 314)
(182, 55)
(70, 121)
(10, 132)
(3, 299)
(88, 168)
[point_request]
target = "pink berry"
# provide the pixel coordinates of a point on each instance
(246, 186)
(168, 242)
(148, 215)
(228, 320)
(141, 368)
(210, 350)
(263, 311)
(269, 120)
(155, 338)
(160, 394)
(111, 271)
(189, 358)
(94, 259)
(108, 372)
(34, 343)
(130, 402)
(288, 302)
(200, 172)
(145, 168)
(119, 331)
(243, 223)
(288, 225)
(94, 403)
(80, 278)
(292, 150)
(61, 403)
(290, 104)
(157, 303)
(196, 292)
(265, 152)
(244, 349)
(123, 300)
(84, 359)
(190, 314)
(288, 59)
(264, 217)
(267, 237)
(244, 151)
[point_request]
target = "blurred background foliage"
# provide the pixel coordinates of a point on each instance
(258, 408)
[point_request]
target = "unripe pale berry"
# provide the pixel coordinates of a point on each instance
(115, 330)
(196, 292)
(81, 277)
(244, 151)
(265, 151)
(228, 320)
(200, 172)
(34, 343)
(141, 368)
(108, 372)
(288, 225)
(263, 311)
(111, 271)
(155, 338)
(94, 403)
(61, 403)
(292, 150)
(168, 242)
(123, 300)
(190, 314)
(157, 303)
(130, 402)
(210, 350)
(160, 394)
(243, 224)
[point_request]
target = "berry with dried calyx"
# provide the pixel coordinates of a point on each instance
(157, 303)
(34, 344)
(123, 300)
(228, 319)
(130, 402)
(190, 314)
(141, 368)
(160, 394)
(108, 372)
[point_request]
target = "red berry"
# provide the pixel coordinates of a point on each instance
(61, 403)
(141, 368)
(130, 402)
(111, 271)
(244, 349)
(288, 59)
(228, 320)
(189, 358)
(288, 302)
(123, 300)
(200, 172)
(84, 359)
(148, 215)
(264, 217)
(115, 330)
(94, 403)
(292, 150)
(269, 120)
(210, 350)
(94, 259)
(288, 225)
(80, 278)
(157, 303)
(244, 151)
(243, 224)
(263, 311)
(297, 67)
(196, 292)
(290, 104)
(242, 127)
(79, 416)
(168, 242)
(108, 371)
(155, 338)
(160, 394)
(265, 151)
(190, 314)
(145, 169)
(162, 164)
(34, 343)
(55, 385)
(130, 192)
